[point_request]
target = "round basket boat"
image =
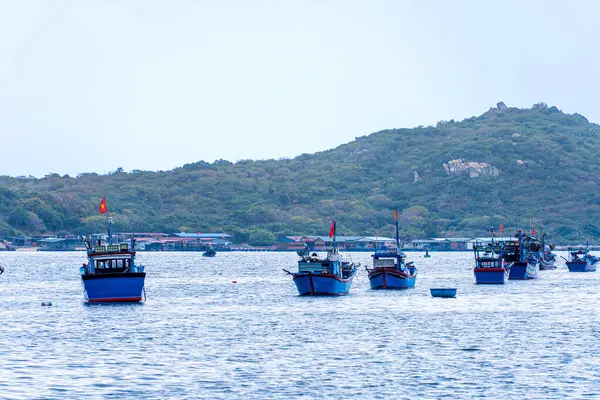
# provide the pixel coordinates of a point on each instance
(443, 292)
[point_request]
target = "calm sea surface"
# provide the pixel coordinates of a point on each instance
(201, 336)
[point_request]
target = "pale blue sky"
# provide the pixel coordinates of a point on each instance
(89, 86)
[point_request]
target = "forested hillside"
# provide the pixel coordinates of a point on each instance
(541, 164)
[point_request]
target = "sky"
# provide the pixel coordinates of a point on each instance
(91, 86)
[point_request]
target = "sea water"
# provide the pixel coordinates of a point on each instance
(199, 335)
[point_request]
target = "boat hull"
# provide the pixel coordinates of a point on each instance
(489, 276)
(523, 270)
(517, 271)
(546, 265)
(531, 272)
(581, 266)
(315, 284)
(112, 288)
(447, 292)
(381, 279)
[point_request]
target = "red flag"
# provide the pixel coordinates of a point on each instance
(532, 230)
(103, 205)
(332, 229)
(501, 227)
(395, 215)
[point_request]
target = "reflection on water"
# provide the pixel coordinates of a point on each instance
(201, 336)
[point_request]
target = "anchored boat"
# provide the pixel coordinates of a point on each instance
(111, 274)
(390, 270)
(526, 264)
(209, 253)
(582, 261)
(329, 276)
(489, 265)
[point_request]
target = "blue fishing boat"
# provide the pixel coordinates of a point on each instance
(526, 261)
(489, 265)
(390, 269)
(582, 261)
(329, 276)
(111, 274)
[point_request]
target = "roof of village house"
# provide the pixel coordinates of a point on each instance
(200, 235)
(340, 238)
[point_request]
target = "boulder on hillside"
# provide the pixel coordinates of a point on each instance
(523, 163)
(501, 106)
(472, 169)
(415, 176)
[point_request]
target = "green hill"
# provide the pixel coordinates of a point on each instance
(547, 163)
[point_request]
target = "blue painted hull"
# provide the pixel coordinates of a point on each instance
(116, 288)
(517, 271)
(490, 277)
(522, 270)
(443, 292)
(311, 284)
(581, 266)
(388, 280)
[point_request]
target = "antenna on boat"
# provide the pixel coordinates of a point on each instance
(110, 221)
(397, 234)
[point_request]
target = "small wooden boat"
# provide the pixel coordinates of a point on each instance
(582, 261)
(443, 292)
(209, 253)
(390, 269)
(111, 274)
(329, 276)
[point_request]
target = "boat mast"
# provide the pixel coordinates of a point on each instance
(110, 221)
(397, 237)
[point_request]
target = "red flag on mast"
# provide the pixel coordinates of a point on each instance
(501, 227)
(332, 229)
(103, 206)
(395, 215)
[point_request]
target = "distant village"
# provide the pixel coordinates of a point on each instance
(223, 242)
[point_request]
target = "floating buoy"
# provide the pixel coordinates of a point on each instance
(233, 281)
(48, 304)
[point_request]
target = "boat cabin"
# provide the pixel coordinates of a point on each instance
(492, 255)
(311, 263)
(109, 259)
(389, 260)
(489, 261)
